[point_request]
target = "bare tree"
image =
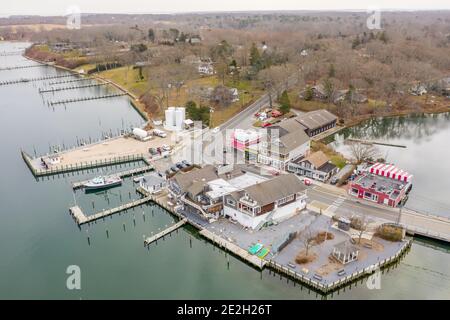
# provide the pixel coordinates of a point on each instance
(360, 223)
(362, 151)
(307, 239)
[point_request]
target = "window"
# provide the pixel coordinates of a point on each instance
(231, 202)
(286, 199)
(354, 191)
(367, 195)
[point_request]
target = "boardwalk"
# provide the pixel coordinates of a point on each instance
(81, 218)
(231, 247)
(121, 174)
(165, 232)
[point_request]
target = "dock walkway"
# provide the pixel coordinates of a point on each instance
(165, 232)
(81, 218)
(122, 174)
(231, 247)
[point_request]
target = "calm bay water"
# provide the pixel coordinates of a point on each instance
(39, 240)
(426, 155)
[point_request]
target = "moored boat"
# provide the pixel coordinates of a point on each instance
(102, 183)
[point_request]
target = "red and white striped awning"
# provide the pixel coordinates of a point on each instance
(390, 171)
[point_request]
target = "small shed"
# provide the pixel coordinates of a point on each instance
(344, 223)
(345, 252)
(152, 183)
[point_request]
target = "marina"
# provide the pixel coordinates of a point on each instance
(175, 256)
(23, 80)
(122, 174)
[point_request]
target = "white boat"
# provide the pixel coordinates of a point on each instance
(102, 183)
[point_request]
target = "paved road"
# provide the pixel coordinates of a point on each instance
(340, 204)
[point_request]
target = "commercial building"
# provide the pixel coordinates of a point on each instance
(383, 184)
(266, 202)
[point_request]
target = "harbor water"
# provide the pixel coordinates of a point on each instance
(39, 239)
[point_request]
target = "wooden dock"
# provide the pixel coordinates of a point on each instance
(81, 218)
(376, 142)
(165, 232)
(235, 249)
(39, 171)
(122, 174)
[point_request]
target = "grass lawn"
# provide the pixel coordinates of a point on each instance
(336, 158)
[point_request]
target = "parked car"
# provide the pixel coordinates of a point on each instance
(174, 168)
(186, 163)
(307, 181)
(216, 130)
(334, 180)
(165, 147)
(180, 165)
(276, 113)
(266, 124)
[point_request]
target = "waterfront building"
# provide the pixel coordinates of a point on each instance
(270, 201)
(316, 166)
(383, 184)
(317, 121)
(152, 183)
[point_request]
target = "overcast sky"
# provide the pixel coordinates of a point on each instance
(59, 7)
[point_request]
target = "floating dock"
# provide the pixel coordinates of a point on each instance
(2, 83)
(165, 232)
(122, 174)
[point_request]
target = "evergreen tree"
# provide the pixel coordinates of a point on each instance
(285, 103)
(255, 57)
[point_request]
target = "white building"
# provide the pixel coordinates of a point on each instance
(175, 117)
(206, 69)
(265, 202)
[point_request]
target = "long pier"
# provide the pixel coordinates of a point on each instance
(69, 81)
(22, 67)
(10, 53)
(165, 232)
(2, 83)
(87, 98)
(376, 142)
(81, 218)
(122, 174)
(39, 171)
(72, 88)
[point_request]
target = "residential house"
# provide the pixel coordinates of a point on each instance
(316, 166)
(206, 69)
(266, 202)
(418, 89)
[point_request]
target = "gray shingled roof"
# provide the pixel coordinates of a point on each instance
(315, 119)
(187, 179)
(280, 187)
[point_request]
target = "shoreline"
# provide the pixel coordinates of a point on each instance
(136, 104)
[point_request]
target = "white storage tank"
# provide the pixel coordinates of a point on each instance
(170, 118)
(179, 118)
(140, 133)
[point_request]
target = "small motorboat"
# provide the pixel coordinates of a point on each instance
(102, 183)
